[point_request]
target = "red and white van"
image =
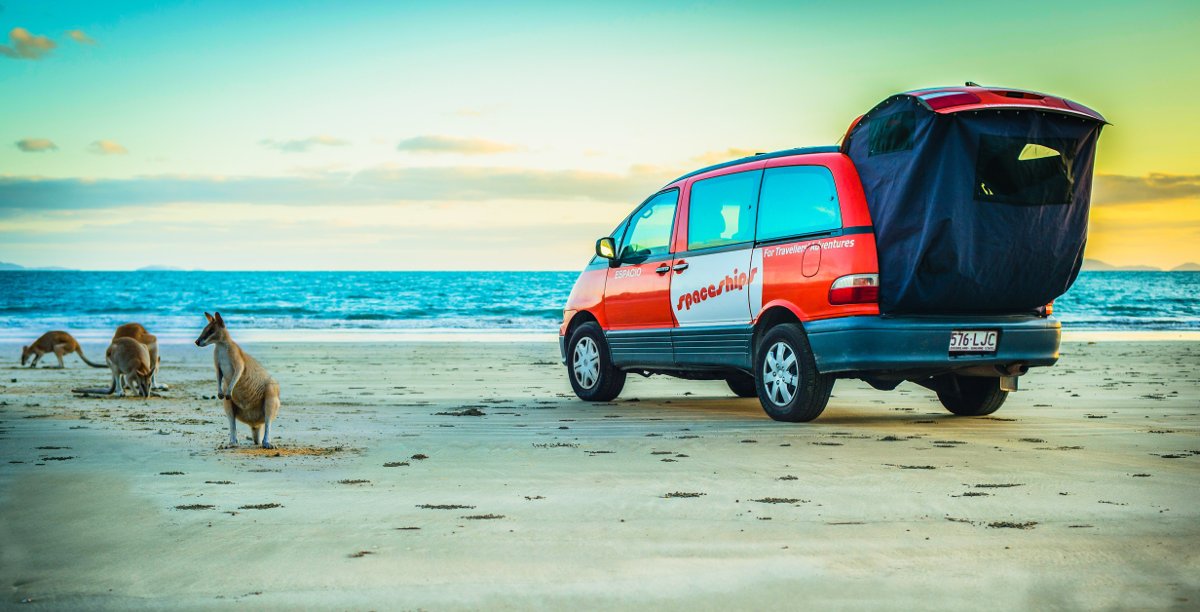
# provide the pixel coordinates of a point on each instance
(927, 248)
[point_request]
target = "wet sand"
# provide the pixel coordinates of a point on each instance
(466, 476)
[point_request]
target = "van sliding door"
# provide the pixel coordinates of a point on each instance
(711, 287)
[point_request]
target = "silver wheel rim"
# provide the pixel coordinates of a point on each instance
(781, 374)
(586, 362)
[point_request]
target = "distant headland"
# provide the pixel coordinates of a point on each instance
(1095, 265)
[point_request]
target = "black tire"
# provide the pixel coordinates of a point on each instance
(606, 381)
(742, 385)
(809, 388)
(971, 395)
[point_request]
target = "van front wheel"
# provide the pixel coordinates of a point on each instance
(789, 386)
(589, 365)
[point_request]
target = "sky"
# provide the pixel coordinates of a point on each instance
(485, 135)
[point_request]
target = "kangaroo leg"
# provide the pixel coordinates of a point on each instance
(154, 384)
(270, 409)
(59, 351)
(256, 431)
(36, 359)
(119, 384)
(157, 359)
(232, 423)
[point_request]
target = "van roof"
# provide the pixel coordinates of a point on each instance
(974, 97)
(759, 157)
(945, 100)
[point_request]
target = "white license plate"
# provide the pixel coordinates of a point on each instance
(974, 342)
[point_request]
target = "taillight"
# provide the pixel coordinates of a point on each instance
(1046, 310)
(855, 289)
(945, 99)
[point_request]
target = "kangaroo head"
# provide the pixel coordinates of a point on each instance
(143, 381)
(213, 332)
(25, 352)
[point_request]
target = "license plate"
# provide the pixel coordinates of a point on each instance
(974, 342)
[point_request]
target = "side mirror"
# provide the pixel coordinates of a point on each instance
(606, 248)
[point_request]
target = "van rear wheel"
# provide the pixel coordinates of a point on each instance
(971, 395)
(789, 386)
(742, 385)
(589, 365)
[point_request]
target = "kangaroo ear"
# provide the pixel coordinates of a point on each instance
(219, 320)
(209, 317)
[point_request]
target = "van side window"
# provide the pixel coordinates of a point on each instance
(649, 232)
(797, 200)
(721, 211)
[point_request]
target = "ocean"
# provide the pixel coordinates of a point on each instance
(416, 304)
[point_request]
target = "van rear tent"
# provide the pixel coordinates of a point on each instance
(979, 210)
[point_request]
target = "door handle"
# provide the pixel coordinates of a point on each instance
(663, 269)
(681, 266)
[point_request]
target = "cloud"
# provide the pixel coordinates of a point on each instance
(81, 38)
(1113, 189)
(107, 147)
(709, 158)
(387, 185)
(451, 144)
(303, 145)
(455, 236)
(36, 145)
(25, 45)
(486, 183)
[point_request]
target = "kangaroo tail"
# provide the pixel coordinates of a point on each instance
(89, 361)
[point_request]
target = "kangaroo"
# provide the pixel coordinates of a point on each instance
(58, 342)
(130, 364)
(250, 394)
(139, 333)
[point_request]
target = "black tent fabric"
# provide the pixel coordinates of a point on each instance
(977, 211)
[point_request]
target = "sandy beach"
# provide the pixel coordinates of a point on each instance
(457, 475)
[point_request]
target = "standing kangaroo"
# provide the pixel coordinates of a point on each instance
(130, 364)
(58, 342)
(251, 395)
(139, 333)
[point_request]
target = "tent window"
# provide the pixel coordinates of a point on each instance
(1024, 171)
(892, 133)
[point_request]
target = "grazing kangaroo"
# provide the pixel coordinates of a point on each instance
(251, 395)
(150, 341)
(58, 342)
(130, 364)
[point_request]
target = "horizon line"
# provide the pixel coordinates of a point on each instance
(1114, 268)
